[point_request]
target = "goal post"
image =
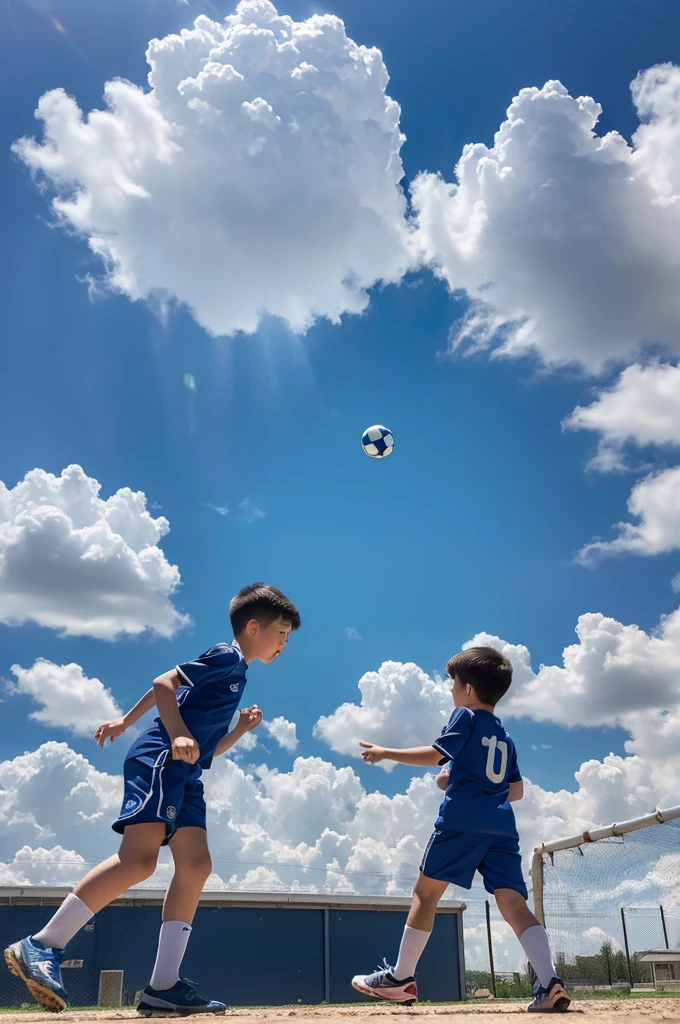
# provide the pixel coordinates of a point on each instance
(617, 830)
(609, 898)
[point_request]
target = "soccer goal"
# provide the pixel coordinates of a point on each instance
(610, 901)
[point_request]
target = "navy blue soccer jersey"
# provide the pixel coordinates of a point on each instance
(211, 690)
(482, 764)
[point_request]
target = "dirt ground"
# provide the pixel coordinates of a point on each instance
(647, 1011)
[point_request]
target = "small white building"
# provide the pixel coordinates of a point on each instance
(665, 967)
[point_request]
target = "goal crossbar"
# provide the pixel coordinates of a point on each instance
(657, 817)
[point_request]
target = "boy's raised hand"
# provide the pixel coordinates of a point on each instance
(372, 753)
(249, 718)
(110, 731)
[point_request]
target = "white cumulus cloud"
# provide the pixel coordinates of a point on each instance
(655, 502)
(400, 706)
(53, 796)
(82, 564)
(642, 408)
(614, 670)
(283, 731)
(52, 867)
(247, 742)
(259, 175)
(67, 698)
(564, 241)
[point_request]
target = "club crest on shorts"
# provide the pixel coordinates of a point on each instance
(132, 804)
(170, 812)
(234, 687)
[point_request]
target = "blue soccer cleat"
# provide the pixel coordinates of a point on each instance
(553, 999)
(39, 967)
(183, 998)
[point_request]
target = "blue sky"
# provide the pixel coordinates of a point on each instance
(471, 526)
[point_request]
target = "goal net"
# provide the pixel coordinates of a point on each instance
(610, 898)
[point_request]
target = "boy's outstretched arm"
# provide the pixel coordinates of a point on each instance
(117, 726)
(420, 757)
(249, 718)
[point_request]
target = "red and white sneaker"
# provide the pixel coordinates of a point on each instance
(383, 985)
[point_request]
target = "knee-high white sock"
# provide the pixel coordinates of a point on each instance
(69, 919)
(413, 943)
(537, 948)
(172, 943)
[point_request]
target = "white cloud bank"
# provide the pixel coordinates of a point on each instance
(614, 675)
(258, 176)
(81, 564)
(655, 501)
(400, 706)
(68, 699)
(642, 408)
(565, 240)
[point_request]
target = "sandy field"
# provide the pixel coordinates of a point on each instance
(649, 1011)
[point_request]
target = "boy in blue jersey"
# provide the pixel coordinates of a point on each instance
(475, 830)
(163, 804)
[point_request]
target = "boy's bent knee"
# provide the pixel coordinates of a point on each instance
(515, 910)
(139, 863)
(139, 854)
(510, 897)
(198, 867)
(429, 890)
(203, 866)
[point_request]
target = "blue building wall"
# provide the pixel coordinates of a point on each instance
(244, 955)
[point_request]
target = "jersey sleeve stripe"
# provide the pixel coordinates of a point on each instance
(184, 676)
(440, 750)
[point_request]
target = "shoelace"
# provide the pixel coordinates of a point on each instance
(383, 968)
(193, 986)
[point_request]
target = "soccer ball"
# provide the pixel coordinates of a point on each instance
(377, 442)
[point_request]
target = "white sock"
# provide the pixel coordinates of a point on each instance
(68, 920)
(413, 943)
(172, 942)
(537, 948)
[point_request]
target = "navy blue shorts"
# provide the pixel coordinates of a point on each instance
(455, 856)
(161, 790)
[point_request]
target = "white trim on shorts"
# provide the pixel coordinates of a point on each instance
(160, 790)
(431, 840)
(158, 765)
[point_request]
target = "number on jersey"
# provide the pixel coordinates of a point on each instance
(493, 743)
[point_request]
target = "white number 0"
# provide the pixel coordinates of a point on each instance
(492, 742)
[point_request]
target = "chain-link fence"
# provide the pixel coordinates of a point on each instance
(623, 948)
(637, 947)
